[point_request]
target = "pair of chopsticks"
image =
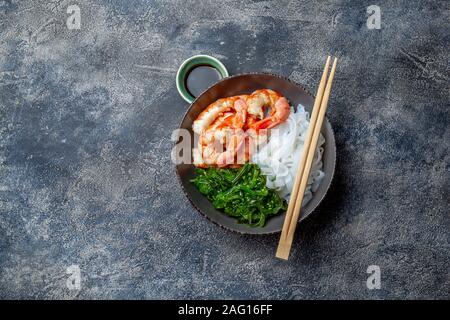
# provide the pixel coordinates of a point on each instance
(304, 168)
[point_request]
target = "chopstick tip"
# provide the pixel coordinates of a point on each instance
(283, 250)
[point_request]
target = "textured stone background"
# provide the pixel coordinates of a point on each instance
(86, 178)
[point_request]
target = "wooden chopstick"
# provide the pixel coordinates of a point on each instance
(309, 134)
(304, 168)
(283, 250)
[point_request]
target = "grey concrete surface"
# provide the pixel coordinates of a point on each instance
(85, 173)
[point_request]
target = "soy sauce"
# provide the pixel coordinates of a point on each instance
(200, 78)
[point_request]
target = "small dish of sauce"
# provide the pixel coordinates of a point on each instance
(200, 78)
(197, 74)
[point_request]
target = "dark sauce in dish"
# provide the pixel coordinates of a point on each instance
(200, 78)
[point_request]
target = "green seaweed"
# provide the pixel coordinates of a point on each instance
(240, 193)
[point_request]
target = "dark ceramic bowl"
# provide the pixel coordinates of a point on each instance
(245, 84)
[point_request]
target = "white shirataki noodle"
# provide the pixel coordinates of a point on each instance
(278, 159)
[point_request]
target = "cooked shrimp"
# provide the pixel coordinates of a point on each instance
(237, 142)
(278, 105)
(222, 141)
(197, 157)
(223, 132)
(241, 113)
(216, 153)
(226, 122)
(213, 112)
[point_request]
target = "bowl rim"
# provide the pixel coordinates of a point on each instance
(326, 122)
